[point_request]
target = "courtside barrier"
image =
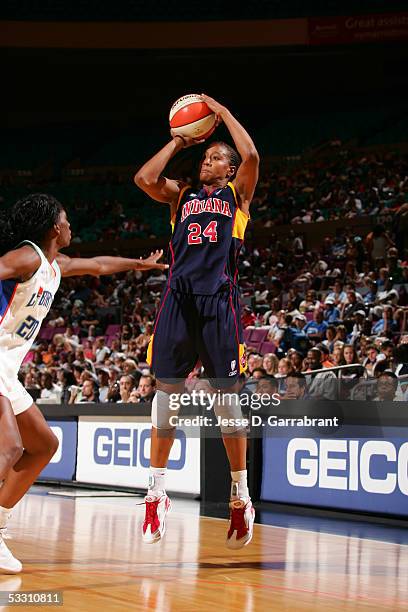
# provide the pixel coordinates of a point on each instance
(356, 461)
(109, 445)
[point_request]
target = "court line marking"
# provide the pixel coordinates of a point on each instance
(275, 588)
(334, 535)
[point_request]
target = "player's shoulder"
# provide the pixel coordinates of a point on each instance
(20, 263)
(25, 255)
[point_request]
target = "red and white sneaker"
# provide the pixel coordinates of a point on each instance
(154, 525)
(242, 516)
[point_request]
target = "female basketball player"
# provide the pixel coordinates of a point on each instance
(30, 270)
(199, 312)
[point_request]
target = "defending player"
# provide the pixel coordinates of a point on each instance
(30, 271)
(199, 313)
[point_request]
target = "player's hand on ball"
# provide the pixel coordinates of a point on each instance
(151, 262)
(186, 140)
(215, 106)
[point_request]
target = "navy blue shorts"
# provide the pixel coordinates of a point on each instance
(191, 327)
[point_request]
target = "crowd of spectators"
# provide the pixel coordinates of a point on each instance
(344, 304)
(345, 186)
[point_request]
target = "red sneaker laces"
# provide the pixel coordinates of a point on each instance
(151, 511)
(238, 523)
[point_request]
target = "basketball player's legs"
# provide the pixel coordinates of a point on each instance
(171, 356)
(40, 444)
(223, 357)
(11, 446)
(162, 439)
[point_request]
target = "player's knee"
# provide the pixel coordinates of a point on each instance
(228, 409)
(164, 408)
(12, 453)
(52, 444)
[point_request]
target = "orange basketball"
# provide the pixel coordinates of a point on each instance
(190, 116)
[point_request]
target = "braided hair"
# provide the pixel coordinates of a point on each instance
(31, 218)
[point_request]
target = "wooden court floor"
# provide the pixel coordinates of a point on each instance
(90, 549)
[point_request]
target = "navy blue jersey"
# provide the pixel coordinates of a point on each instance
(208, 232)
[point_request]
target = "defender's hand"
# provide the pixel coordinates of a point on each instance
(151, 262)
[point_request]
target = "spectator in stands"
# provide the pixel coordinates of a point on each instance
(387, 384)
(49, 390)
(67, 379)
(146, 388)
(103, 380)
(89, 392)
(371, 359)
(116, 349)
(331, 313)
(324, 384)
(258, 373)
(338, 294)
(371, 295)
(270, 364)
(296, 359)
(310, 303)
(126, 384)
(70, 337)
(348, 355)
(30, 381)
(296, 387)
(341, 334)
(387, 350)
(351, 306)
(254, 361)
(267, 385)
(284, 367)
(143, 340)
(277, 329)
(330, 337)
(326, 361)
(247, 317)
(130, 366)
(377, 243)
(316, 329)
(101, 350)
(81, 360)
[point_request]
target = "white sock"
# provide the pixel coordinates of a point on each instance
(239, 488)
(157, 479)
(5, 514)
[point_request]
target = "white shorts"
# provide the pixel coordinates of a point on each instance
(13, 390)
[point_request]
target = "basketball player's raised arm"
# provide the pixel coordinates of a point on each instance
(19, 264)
(247, 174)
(150, 178)
(99, 266)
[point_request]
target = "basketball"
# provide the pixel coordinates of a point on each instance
(190, 116)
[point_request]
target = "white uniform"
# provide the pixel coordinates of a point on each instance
(23, 306)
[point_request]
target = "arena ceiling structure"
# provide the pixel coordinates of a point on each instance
(98, 61)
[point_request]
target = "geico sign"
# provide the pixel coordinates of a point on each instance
(310, 463)
(124, 446)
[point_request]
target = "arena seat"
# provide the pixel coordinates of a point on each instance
(267, 347)
(246, 334)
(112, 330)
(46, 333)
(258, 335)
